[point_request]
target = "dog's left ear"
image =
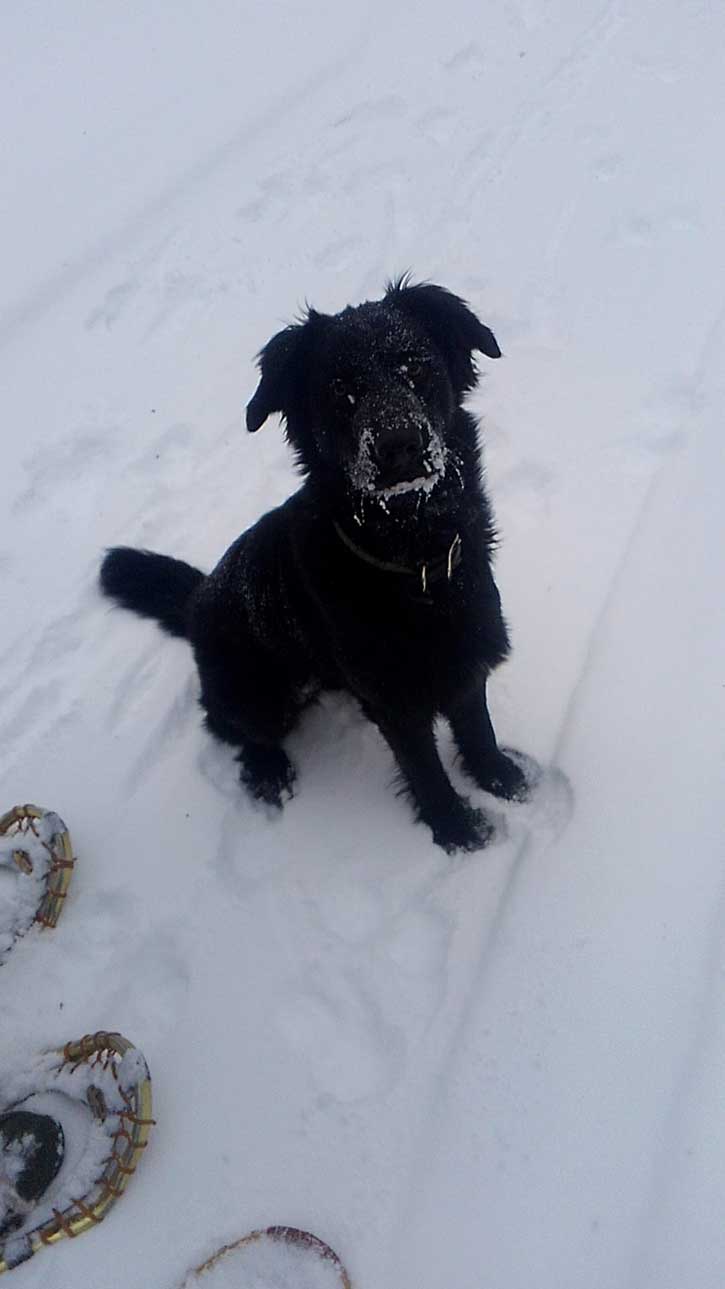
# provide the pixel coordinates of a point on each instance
(451, 325)
(282, 364)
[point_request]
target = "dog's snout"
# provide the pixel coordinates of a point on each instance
(399, 448)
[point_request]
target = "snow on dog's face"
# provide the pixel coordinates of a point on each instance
(368, 395)
(382, 398)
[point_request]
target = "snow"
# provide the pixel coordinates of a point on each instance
(14, 1155)
(132, 1070)
(503, 1069)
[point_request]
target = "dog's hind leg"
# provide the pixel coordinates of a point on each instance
(265, 768)
(482, 759)
(251, 707)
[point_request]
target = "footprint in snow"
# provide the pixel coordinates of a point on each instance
(71, 466)
(419, 943)
(338, 254)
(653, 228)
(438, 124)
(113, 305)
(248, 856)
(345, 1045)
(43, 710)
(471, 56)
(60, 639)
(607, 166)
(548, 809)
(418, 949)
(156, 959)
(272, 200)
(351, 911)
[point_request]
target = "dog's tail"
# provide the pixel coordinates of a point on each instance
(154, 586)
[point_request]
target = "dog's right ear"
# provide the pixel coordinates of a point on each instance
(282, 364)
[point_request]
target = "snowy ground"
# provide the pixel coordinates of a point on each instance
(495, 1072)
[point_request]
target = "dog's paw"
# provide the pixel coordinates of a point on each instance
(464, 828)
(268, 775)
(503, 777)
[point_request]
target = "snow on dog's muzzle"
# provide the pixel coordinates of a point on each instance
(398, 451)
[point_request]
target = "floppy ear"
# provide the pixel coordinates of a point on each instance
(282, 365)
(451, 325)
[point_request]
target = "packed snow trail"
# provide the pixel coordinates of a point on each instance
(493, 1071)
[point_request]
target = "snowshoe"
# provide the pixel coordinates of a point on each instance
(279, 1258)
(36, 865)
(72, 1130)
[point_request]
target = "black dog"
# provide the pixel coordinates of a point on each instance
(375, 576)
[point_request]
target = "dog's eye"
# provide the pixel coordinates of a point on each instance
(413, 368)
(341, 390)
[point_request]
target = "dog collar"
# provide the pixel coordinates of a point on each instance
(434, 570)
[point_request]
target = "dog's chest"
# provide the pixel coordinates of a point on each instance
(423, 649)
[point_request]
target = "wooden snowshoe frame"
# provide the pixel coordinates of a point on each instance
(19, 822)
(281, 1235)
(127, 1143)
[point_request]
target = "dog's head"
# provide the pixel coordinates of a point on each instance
(369, 395)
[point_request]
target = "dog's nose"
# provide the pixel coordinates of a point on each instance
(399, 451)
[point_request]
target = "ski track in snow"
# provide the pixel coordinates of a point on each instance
(348, 1030)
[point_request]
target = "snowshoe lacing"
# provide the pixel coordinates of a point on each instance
(128, 1142)
(19, 822)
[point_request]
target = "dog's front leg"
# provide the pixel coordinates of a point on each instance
(455, 824)
(482, 759)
